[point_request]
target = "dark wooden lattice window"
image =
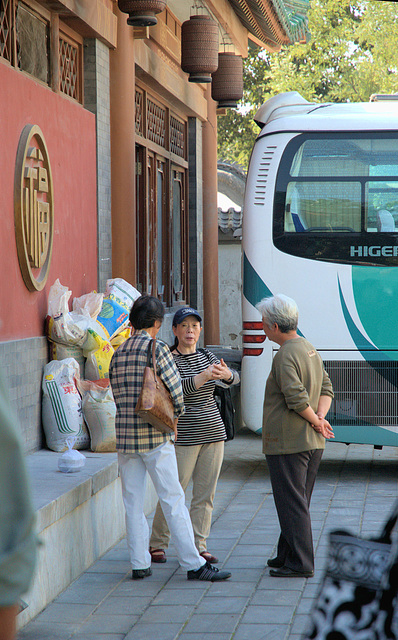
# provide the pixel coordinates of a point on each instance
(162, 218)
(33, 50)
(6, 27)
(156, 121)
(139, 112)
(35, 41)
(69, 67)
(177, 137)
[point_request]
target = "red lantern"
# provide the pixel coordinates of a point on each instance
(142, 12)
(199, 48)
(227, 81)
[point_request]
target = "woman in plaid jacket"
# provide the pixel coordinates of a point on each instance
(142, 448)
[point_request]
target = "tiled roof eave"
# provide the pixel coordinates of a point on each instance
(276, 21)
(292, 14)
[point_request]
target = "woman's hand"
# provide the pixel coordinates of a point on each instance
(221, 371)
(216, 371)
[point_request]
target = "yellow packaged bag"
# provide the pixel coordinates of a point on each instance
(98, 353)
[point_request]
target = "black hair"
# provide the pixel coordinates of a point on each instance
(145, 311)
(175, 345)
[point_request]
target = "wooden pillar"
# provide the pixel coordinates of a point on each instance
(54, 40)
(210, 225)
(122, 99)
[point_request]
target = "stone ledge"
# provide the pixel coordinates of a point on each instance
(79, 516)
(55, 493)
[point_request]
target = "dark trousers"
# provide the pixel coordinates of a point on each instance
(292, 478)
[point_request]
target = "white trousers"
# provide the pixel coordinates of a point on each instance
(162, 467)
(202, 463)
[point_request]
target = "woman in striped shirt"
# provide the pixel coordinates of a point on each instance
(201, 433)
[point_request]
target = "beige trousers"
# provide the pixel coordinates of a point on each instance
(202, 463)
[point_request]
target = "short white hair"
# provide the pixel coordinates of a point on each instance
(279, 309)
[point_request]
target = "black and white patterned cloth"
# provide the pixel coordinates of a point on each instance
(358, 597)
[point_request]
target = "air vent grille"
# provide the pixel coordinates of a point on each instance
(262, 176)
(364, 393)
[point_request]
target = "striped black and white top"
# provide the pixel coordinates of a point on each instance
(201, 422)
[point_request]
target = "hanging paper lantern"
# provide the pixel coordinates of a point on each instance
(199, 48)
(227, 81)
(142, 12)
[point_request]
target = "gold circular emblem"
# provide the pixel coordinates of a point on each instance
(33, 208)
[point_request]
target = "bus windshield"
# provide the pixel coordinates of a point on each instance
(340, 193)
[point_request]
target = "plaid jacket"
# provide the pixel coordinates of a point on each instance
(126, 372)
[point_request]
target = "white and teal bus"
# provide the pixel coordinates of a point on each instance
(320, 224)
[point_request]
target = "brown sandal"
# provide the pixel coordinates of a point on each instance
(209, 557)
(158, 555)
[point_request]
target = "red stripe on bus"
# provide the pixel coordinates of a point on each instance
(252, 352)
(257, 339)
(253, 326)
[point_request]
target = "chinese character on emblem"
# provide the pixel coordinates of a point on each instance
(34, 208)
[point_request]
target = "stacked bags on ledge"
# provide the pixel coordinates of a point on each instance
(76, 388)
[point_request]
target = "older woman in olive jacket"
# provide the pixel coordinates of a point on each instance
(298, 395)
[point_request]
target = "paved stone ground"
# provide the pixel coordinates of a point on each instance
(355, 489)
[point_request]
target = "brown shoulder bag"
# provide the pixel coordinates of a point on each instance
(155, 404)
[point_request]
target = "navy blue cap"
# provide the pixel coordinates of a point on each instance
(183, 313)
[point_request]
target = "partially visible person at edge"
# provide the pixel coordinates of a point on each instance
(142, 448)
(199, 446)
(298, 395)
(18, 541)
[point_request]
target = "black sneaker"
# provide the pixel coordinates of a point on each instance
(138, 574)
(209, 573)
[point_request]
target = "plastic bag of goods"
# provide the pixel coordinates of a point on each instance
(58, 299)
(72, 460)
(62, 406)
(98, 353)
(99, 411)
(118, 300)
(90, 303)
(71, 328)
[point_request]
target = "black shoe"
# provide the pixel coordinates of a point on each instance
(209, 573)
(138, 574)
(275, 563)
(285, 572)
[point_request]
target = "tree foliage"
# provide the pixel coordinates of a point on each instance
(352, 52)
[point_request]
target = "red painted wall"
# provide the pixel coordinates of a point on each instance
(69, 133)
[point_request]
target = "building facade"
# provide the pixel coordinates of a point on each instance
(109, 163)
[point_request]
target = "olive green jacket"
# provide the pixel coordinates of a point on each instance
(297, 380)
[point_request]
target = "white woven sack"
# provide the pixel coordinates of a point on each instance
(122, 290)
(59, 351)
(99, 410)
(61, 407)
